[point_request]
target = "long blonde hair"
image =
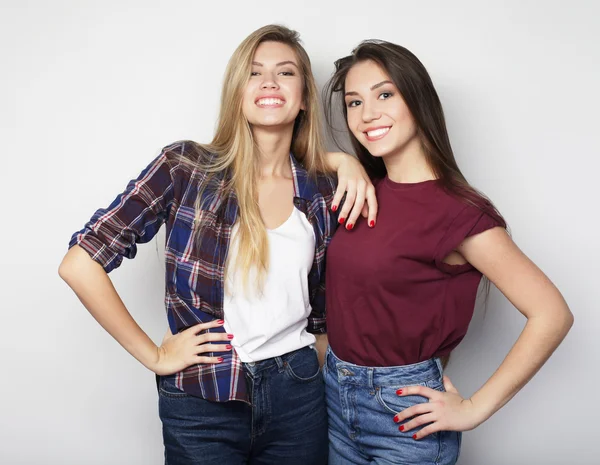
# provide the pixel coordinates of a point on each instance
(236, 153)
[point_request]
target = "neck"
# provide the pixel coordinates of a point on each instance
(274, 146)
(409, 164)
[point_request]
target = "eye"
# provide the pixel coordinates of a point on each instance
(287, 73)
(254, 73)
(353, 103)
(385, 95)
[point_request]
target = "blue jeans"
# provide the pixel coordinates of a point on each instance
(362, 402)
(286, 423)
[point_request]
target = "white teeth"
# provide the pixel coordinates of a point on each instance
(270, 101)
(378, 132)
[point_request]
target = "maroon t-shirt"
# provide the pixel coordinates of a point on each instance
(391, 299)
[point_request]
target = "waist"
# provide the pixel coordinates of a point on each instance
(278, 362)
(405, 375)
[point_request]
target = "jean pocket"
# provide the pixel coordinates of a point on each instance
(393, 403)
(303, 366)
(168, 389)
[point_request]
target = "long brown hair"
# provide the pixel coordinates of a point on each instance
(414, 84)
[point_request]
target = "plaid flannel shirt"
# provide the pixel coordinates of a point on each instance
(165, 192)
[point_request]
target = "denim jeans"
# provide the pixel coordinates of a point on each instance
(362, 402)
(286, 423)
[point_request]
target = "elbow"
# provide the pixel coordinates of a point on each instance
(74, 265)
(565, 322)
(569, 320)
(65, 269)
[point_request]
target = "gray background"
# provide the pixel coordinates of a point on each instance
(90, 92)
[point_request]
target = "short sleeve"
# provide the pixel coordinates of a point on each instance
(135, 216)
(469, 222)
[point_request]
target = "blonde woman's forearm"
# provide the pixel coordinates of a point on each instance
(96, 292)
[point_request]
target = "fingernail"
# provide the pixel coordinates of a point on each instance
(230, 336)
(229, 347)
(221, 322)
(220, 359)
(399, 392)
(371, 223)
(396, 420)
(341, 220)
(334, 208)
(349, 226)
(414, 436)
(401, 427)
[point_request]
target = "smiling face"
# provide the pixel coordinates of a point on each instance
(376, 112)
(274, 94)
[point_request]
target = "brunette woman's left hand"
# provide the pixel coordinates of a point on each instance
(353, 181)
(445, 411)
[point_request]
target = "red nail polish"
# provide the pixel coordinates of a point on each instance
(221, 322)
(220, 359)
(341, 220)
(401, 428)
(414, 436)
(229, 347)
(230, 336)
(399, 392)
(371, 223)
(334, 208)
(396, 420)
(349, 226)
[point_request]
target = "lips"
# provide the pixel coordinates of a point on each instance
(373, 134)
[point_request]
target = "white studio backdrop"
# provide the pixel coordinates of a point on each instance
(91, 91)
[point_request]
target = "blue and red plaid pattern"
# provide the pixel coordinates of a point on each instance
(165, 192)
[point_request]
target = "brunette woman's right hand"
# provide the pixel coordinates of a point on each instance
(186, 348)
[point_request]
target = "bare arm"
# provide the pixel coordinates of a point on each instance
(321, 346)
(548, 320)
(95, 290)
(548, 317)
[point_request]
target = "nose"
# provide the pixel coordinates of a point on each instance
(370, 112)
(269, 82)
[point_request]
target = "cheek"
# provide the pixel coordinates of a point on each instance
(297, 91)
(404, 117)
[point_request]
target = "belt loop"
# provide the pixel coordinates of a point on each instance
(280, 363)
(438, 362)
(330, 358)
(370, 376)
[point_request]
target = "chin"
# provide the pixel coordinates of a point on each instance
(378, 152)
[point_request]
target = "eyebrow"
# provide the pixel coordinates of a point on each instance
(281, 63)
(376, 86)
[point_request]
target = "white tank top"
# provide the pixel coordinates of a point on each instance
(272, 323)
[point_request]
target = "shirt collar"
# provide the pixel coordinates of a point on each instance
(305, 189)
(305, 186)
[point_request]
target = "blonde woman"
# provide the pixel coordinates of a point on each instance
(248, 220)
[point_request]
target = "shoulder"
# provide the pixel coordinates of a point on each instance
(326, 184)
(186, 152)
(312, 185)
(188, 160)
(466, 205)
(469, 213)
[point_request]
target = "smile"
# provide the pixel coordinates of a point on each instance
(270, 102)
(377, 133)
